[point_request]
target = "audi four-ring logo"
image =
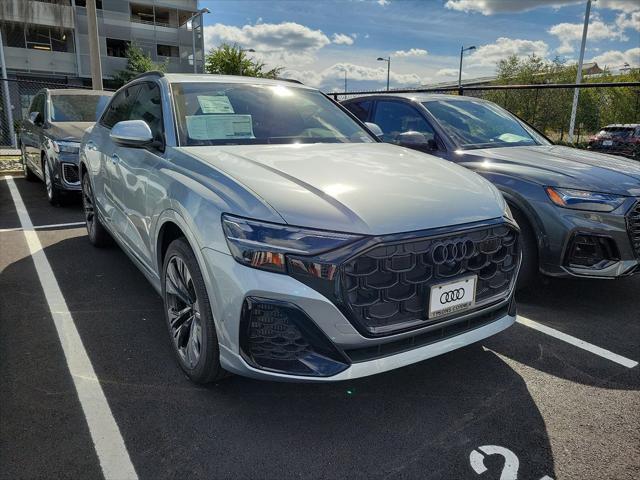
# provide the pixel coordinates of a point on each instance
(453, 251)
(452, 295)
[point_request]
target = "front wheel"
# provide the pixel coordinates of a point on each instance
(98, 235)
(188, 315)
(53, 192)
(529, 270)
(28, 174)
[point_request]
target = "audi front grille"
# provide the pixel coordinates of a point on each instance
(633, 226)
(383, 285)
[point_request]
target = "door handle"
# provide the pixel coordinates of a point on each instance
(115, 158)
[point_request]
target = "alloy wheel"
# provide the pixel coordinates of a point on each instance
(47, 180)
(87, 204)
(183, 312)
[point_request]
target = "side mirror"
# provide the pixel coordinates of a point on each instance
(36, 118)
(131, 133)
(413, 139)
(375, 129)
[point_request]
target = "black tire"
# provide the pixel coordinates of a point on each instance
(529, 271)
(193, 332)
(28, 173)
(98, 235)
(54, 194)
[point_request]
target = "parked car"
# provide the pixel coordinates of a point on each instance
(618, 140)
(286, 241)
(50, 136)
(579, 211)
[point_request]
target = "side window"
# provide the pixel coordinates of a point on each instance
(395, 118)
(148, 107)
(37, 105)
(119, 108)
(360, 109)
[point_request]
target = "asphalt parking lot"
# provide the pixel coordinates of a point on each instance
(523, 404)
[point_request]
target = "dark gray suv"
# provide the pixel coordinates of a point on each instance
(50, 136)
(579, 211)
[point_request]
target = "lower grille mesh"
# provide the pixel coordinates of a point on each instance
(387, 287)
(70, 173)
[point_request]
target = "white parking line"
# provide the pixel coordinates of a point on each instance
(42, 227)
(112, 452)
(614, 357)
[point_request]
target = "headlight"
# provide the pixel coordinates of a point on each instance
(583, 200)
(268, 246)
(65, 147)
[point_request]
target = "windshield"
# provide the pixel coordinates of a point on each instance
(476, 124)
(239, 114)
(77, 108)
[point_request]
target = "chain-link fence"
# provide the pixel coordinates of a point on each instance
(547, 107)
(15, 99)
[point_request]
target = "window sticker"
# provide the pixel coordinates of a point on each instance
(215, 104)
(219, 127)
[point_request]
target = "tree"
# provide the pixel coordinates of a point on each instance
(232, 60)
(137, 62)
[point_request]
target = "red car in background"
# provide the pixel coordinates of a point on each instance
(619, 139)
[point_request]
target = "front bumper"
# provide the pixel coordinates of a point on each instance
(66, 175)
(229, 284)
(564, 226)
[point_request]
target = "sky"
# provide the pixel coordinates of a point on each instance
(317, 41)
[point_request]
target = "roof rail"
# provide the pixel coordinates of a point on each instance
(157, 73)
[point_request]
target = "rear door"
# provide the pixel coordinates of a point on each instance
(133, 185)
(104, 167)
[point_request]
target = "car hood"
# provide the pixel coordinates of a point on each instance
(359, 188)
(70, 131)
(559, 166)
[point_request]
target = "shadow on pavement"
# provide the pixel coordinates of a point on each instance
(421, 421)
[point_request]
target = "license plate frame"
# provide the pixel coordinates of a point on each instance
(451, 297)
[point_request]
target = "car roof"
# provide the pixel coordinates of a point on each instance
(77, 91)
(416, 97)
(212, 78)
(622, 125)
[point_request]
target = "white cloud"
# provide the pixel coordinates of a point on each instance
(490, 54)
(447, 73)
(626, 21)
(414, 52)
(287, 41)
(342, 39)
(333, 76)
(571, 33)
(490, 7)
(615, 59)
(383, 3)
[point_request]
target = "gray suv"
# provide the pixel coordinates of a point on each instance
(286, 241)
(579, 211)
(50, 136)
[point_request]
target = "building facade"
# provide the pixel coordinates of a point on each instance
(48, 40)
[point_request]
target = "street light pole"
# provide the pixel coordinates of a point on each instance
(242, 50)
(94, 45)
(193, 36)
(6, 97)
(462, 50)
(576, 92)
(345, 81)
(388, 60)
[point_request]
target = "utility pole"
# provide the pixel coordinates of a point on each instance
(462, 50)
(576, 92)
(388, 60)
(6, 97)
(94, 45)
(76, 43)
(345, 81)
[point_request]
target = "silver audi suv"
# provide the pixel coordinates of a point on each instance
(286, 241)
